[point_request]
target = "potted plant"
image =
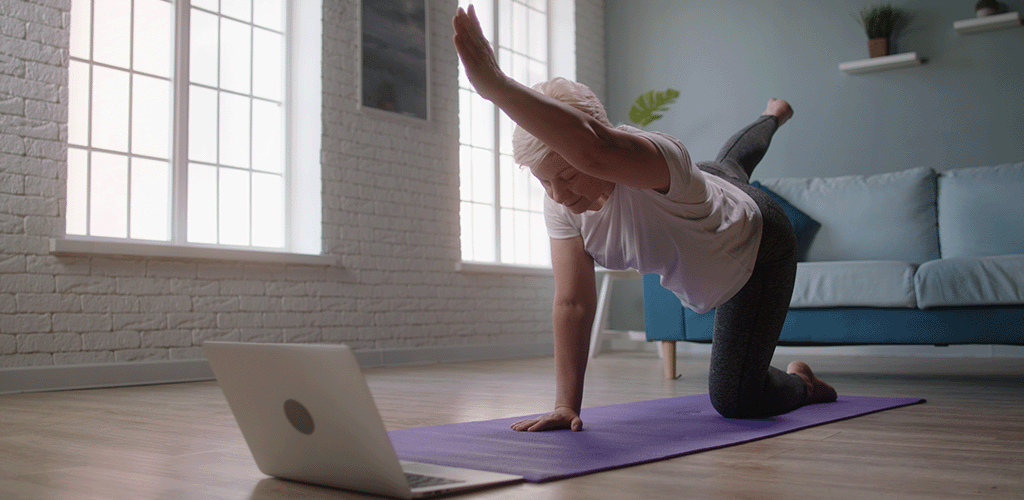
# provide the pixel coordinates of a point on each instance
(882, 23)
(646, 108)
(988, 8)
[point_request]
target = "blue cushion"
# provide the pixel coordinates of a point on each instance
(981, 211)
(803, 225)
(875, 217)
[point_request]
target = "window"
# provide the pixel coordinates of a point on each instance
(180, 120)
(501, 208)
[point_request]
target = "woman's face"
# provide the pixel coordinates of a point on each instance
(570, 187)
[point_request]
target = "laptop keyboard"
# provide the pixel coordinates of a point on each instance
(421, 481)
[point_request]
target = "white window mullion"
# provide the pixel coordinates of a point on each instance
(496, 125)
(88, 121)
(289, 41)
(219, 136)
(88, 153)
(550, 28)
(304, 131)
(179, 145)
(131, 115)
(252, 96)
(218, 204)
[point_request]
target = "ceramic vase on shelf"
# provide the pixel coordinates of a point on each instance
(878, 47)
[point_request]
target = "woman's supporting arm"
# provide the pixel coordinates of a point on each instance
(572, 316)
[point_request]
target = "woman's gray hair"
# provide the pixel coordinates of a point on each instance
(527, 150)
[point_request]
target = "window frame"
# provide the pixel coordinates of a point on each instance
(301, 96)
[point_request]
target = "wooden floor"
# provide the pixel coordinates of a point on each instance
(180, 440)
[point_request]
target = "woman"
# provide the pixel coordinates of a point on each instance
(626, 198)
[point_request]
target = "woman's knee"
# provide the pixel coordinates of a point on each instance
(730, 404)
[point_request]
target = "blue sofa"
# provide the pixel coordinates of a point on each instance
(910, 257)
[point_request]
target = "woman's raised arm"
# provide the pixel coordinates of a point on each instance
(587, 144)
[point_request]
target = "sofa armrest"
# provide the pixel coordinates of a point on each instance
(663, 313)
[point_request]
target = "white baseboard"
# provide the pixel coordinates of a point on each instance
(94, 376)
(449, 354)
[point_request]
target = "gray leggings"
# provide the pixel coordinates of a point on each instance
(741, 382)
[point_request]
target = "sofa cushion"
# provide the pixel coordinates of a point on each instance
(803, 225)
(879, 217)
(854, 284)
(971, 281)
(981, 211)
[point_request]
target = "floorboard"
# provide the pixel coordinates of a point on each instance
(181, 441)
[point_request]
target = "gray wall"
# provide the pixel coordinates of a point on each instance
(962, 108)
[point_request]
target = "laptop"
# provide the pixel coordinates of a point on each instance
(307, 415)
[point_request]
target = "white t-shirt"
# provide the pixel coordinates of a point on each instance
(701, 237)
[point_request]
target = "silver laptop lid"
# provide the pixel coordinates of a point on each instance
(307, 414)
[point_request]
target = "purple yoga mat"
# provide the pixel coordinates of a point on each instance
(614, 436)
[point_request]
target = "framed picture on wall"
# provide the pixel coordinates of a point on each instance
(394, 58)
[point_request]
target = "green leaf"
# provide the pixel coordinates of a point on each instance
(646, 108)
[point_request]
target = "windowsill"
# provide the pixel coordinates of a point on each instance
(492, 268)
(98, 247)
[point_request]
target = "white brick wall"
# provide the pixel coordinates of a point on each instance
(390, 214)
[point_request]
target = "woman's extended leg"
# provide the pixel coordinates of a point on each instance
(745, 149)
(742, 382)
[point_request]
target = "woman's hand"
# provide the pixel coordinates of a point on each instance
(562, 418)
(477, 56)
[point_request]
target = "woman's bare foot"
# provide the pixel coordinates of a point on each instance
(779, 108)
(817, 390)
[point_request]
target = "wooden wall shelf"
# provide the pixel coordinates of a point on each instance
(881, 63)
(988, 23)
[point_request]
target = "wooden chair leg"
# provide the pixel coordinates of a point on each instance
(668, 356)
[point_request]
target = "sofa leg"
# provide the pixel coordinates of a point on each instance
(668, 356)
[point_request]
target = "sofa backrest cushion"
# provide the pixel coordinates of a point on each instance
(803, 225)
(878, 217)
(981, 211)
